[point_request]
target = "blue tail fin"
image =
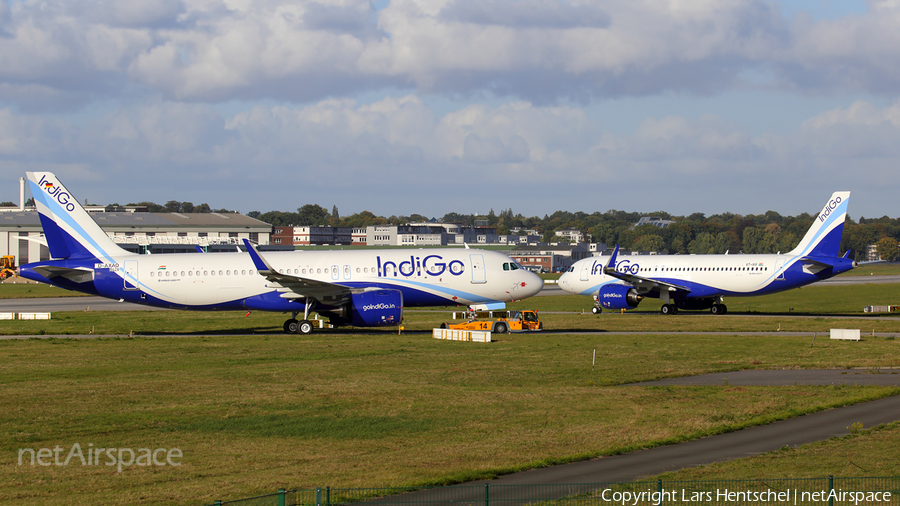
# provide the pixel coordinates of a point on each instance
(68, 228)
(823, 239)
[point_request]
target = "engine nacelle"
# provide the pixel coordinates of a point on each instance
(617, 296)
(375, 308)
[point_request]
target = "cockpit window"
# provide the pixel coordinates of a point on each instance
(511, 266)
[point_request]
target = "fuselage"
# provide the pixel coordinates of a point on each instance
(426, 277)
(705, 275)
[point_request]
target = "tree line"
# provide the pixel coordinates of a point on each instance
(694, 234)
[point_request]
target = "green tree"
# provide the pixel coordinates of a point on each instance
(704, 244)
(757, 240)
(649, 242)
(311, 215)
(786, 242)
(887, 248)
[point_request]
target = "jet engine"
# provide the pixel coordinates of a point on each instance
(375, 308)
(618, 296)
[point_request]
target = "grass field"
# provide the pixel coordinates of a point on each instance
(253, 409)
(33, 290)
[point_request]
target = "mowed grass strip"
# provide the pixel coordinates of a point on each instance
(255, 413)
(866, 452)
(11, 290)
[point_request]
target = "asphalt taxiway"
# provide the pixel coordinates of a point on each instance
(585, 476)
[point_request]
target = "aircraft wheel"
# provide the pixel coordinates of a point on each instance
(305, 327)
(501, 328)
(290, 326)
(596, 310)
(718, 309)
(668, 309)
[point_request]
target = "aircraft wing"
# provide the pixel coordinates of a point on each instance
(295, 287)
(641, 284)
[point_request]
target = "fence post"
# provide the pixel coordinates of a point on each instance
(659, 488)
(318, 496)
(830, 490)
(280, 497)
(487, 494)
(328, 495)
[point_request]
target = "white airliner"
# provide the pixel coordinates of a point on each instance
(360, 287)
(695, 282)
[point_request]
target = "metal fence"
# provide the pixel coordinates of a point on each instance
(806, 491)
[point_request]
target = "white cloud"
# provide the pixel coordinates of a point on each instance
(859, 113)
(396, 156)
(305, 81)
(539, 50)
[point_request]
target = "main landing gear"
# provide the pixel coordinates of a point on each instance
(304, 326)
(718, 309)
(294, 326)
(668, 309)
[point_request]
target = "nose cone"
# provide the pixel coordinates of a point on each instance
(563, 281)
(533, 284)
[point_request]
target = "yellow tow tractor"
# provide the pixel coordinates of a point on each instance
(7, 266)
(502, 322)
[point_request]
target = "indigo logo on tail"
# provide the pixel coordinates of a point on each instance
(56, 192)
(829, 207)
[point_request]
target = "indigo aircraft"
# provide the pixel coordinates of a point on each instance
(697, 282)
(362, 288)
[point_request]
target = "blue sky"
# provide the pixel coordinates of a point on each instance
(428, 107)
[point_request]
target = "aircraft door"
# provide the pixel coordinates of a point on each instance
(779, 265)
(131, 274)
(585, 270)
(478, 273)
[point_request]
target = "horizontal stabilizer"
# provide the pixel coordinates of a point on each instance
(77, 275)
(812, 266)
